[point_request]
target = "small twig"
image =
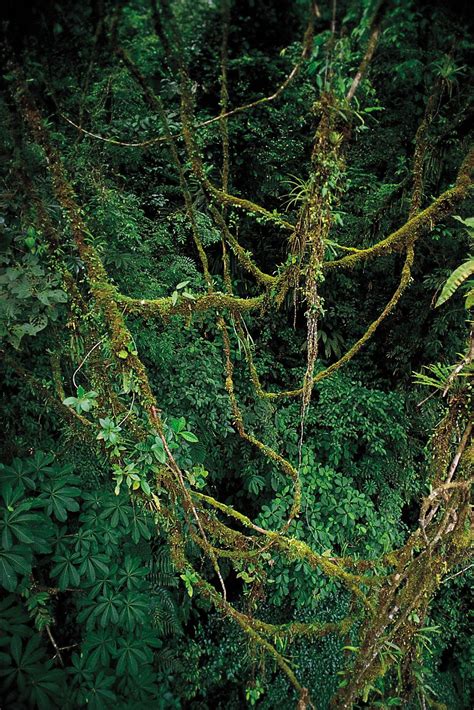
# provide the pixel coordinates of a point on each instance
(369, 52)
(67, 648)
(452, 576)
(467, 359)
(425, 518)
(56, 647)
(333, 18)
(307, 45)
(177, 471)
(423, 401)
(459, 452)
(129, 411)
(84, 360)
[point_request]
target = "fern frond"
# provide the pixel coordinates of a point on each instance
(439, 376)
(165, 659)
(469, 303)
(166, 614)
(458, 276)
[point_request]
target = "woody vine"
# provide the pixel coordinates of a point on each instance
(121, 414)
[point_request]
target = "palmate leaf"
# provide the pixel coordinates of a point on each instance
(93, 564)
(99, 647)
(12, 495)
(146, 689)
(86, 541)
(18, 475)
(101, 692)
(78, 672)
(139, 527)
(13, 562)
(46, 688)
(102, 611)
(59, 498)
(117, 508)
(132, 654)
(95, 690)
(135, 609)
(104, 583)
(132, 573)
(458, 276)
(13, 619)
(92, 499)
(18, 524)
(40, 464)
(36, 684)
(66, 569)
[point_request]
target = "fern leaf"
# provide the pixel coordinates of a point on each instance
(470, 299)
(459, 275)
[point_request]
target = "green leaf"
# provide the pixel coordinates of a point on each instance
(59, 498)
(135, 609)
(468, 222)
(66, 569)
(159, 451)
(189, 436)
(139, 529)
(24, 526)
(100, 646)
(145, 486)
(15, 561)
(469, 303)
(93, 564)
(177, 425)
(459, 275)
(18, 474)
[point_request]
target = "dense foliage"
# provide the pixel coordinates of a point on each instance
(235, 293)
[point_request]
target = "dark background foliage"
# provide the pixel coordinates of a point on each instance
(83, 570)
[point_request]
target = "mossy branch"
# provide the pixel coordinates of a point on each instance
(420, 223)
(164, 307)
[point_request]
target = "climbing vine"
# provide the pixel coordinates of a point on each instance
(160, 484)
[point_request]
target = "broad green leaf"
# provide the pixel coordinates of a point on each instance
(59, 498)
(15, 561)
(189, 436)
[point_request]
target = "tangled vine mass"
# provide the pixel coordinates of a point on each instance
(72, 339)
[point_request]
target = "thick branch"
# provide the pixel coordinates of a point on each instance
(424, 221)
(164, 307)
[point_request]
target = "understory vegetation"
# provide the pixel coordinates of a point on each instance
(236, 291)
